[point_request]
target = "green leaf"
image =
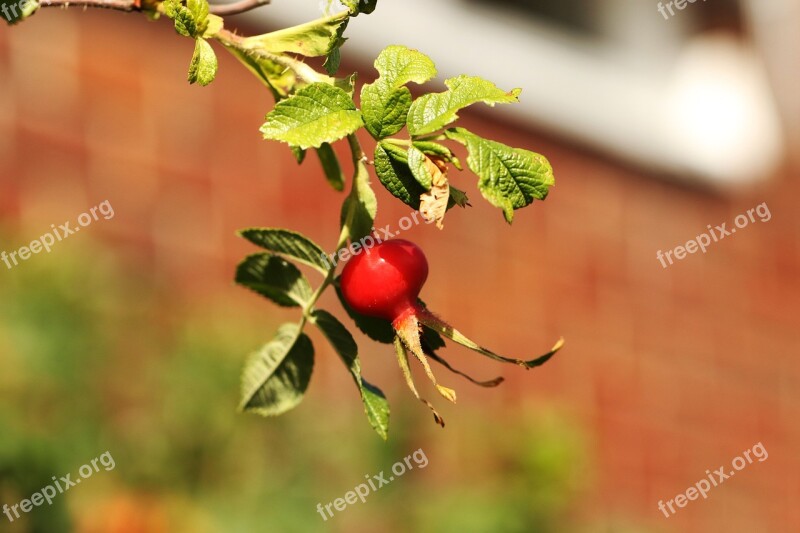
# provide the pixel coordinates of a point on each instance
(330, 164)
(360, 207)
(184, 22)
(299, 154)
(288, 243)
(275, 278)
(199, 10)
(203, 68)
(418, 167)
(375, 404)
(432, 112)
(377, 329)
(457, 198)
(510, 178)
(438, 150)
(276, 378)
(386, 102)
(312, 39)
(316, 114)
(171, 8)
(391, 167)
(214, 24)
(333, 61)
(398, 65)
(360, 6)
(385, 111)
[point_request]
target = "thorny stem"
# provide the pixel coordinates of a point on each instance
(241, 6)
(359, 159)
(235, 8)
(117, 5)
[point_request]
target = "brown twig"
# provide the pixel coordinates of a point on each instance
(223, 10)
(241, 6)
(118, 5)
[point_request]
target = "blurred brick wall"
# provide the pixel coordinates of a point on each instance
(673, 371)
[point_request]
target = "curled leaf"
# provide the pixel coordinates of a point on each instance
(433, 204)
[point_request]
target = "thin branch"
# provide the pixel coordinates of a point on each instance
(223, 10)
(241, 6)
(118, 5)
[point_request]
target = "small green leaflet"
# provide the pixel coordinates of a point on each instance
(199, 10)
(193, 19)
(316, 114)
(391, 167)
(386, 102)
(288, 243)
(184, 22)
(171, 7)
(333, 61)
(375, 405)
(432, 112)
(274, 278)
(419, 169)
(203, 68)
(331, 167)
(509, 178)
(299, 154)
(276, 377)
(457, 198)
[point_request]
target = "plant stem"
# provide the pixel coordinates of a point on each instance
(234, 8)
(359, 158)
(129, 6)
(117, 5)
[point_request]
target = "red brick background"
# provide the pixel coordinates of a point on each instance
(672, 371)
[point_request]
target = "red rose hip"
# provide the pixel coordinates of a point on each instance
(384, 281)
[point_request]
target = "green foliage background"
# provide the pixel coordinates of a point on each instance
(95, 356)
